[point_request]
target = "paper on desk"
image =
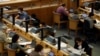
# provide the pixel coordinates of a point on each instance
(62, 45)
(24, 43)
(75, 51)
(98, 25)
(29, 50)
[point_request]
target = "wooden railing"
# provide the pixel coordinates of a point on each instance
(30, 37)
(39, 7)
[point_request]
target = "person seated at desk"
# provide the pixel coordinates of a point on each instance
(37, 51)
(14, 45)
(34, 20)
(63, 11)
(89, 22)
(82, 45)
(22, 16)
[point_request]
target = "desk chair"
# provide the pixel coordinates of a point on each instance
(2, 50)
(56, 19)
(11, 52)
(73, 25)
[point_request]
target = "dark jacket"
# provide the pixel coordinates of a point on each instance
(87, 49)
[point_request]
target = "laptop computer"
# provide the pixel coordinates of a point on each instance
(51, 40)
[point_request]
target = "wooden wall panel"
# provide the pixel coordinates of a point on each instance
(44, 14)
(70, 4)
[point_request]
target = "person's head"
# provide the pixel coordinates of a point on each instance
(91, 14)
(63, 4)
(15, 38)
(38, 48)
(42, 24)
(20, 10)
(33, 15)
(78, 40)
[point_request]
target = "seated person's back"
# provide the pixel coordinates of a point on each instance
(35, 20)
(63, 12)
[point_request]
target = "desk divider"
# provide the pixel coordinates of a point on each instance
(1, 13)
(13, 15)
(29, 36)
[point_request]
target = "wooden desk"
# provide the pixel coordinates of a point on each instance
(96, 25)
(40, 12)
(33, 6)
(87, 10)
(30, 36)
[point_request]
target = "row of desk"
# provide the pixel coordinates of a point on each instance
(31, 7)
(96, 25)
(88, 10)
(29, 36)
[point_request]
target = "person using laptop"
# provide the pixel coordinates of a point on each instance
(22, 16)
(82, 45)
(63, 11)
